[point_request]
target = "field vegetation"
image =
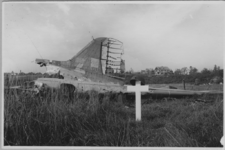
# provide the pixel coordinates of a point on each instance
(86, 119)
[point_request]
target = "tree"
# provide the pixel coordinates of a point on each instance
(21, 73)
(38, 73)
(215, 69)
(177, 72)
(31, 73)
(220, 73)
(205, 71)
(193, 70)
(184, 70)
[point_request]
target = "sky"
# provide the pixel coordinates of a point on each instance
(175, 35)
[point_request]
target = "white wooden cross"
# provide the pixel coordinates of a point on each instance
(138, 89)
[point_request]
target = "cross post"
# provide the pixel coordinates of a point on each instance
(138, 89)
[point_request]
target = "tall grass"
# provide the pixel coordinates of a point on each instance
(55, 119)
(14, 80)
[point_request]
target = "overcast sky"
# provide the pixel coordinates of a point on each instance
(175, 35)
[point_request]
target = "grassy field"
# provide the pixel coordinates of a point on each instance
(87, 120)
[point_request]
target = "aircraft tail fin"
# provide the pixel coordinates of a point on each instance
(101, 56)
(89, 58)
(98, 55)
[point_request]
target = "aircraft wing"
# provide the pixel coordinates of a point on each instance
(13, 87)
(22, 88)
(181, 92)
(169, 92)
(176, 92)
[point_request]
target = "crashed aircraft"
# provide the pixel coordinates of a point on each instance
(91, 69)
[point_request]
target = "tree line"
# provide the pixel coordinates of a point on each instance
(189, 75)
(152, 76)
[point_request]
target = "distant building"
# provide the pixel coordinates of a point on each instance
(162, 71)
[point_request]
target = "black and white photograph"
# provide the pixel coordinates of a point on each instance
(112, 74)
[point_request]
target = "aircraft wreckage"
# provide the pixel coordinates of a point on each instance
(90, 69)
